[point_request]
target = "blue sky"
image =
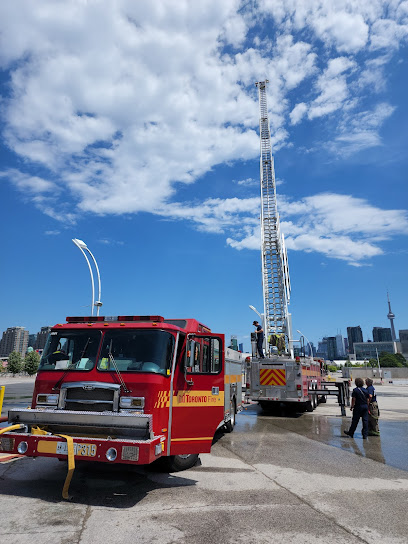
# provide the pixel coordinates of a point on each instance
(134, 127)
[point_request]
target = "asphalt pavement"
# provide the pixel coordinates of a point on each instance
(274, 479)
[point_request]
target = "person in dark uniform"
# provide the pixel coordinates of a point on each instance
(373, 411)
(359, 406)
(259, 339)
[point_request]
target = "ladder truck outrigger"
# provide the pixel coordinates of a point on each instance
(279, 377)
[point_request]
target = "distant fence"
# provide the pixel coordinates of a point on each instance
(386, 373)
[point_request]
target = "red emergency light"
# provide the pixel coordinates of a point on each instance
(112, 319)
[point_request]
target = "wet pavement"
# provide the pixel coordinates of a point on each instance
(390, 448)
(274, 479)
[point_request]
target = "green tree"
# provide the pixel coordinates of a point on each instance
(15, 363)
(31, 363)
(391, 360)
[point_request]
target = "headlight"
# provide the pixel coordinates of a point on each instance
(135, 403)
(22, 447)
(51, 400)
(111, 454)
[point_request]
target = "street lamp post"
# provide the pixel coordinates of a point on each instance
(83, 247)
(379, 368)
(307, 340)
(262, 317)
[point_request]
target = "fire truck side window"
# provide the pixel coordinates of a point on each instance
(203, 356)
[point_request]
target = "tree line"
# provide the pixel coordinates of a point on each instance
(17, 364)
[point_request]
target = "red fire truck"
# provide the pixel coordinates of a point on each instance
(277, 380)
(128, 389)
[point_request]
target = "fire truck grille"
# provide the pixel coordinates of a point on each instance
(95, 400)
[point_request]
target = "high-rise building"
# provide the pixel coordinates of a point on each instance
(42, 338)
(354, 334)
(14, 339)
(322, 349)
(31, 340)
(403, 338)
(382, 334)
(341, 349)
(331, 348)
(391, 317)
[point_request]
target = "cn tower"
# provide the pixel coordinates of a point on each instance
(391, 317)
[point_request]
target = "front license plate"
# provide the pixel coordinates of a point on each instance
(88, 450)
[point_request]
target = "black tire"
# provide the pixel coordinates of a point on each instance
(323, 399)
(175, 463)
(309, 406)
(229, 425)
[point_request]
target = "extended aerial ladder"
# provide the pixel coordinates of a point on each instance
(275, 269)
(281, 378)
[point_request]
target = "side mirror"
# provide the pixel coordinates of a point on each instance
(188, 363)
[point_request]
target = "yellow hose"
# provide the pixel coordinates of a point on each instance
(2, 389)
(71, 458)
(71, 465)
(11, 428)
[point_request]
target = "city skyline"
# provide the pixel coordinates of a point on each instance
(381, 332)
(142, 140)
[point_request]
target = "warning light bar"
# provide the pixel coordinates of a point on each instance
(121, 318)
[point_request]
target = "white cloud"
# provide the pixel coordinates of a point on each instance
(118, 105)
(361, 131)
(338, 226)
(27, 183)
(298, 112)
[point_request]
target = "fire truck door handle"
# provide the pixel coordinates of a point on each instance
(215, 391)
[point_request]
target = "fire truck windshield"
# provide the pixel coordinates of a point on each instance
(70, 349)
(137, 351)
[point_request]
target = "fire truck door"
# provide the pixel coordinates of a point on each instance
(198, 395)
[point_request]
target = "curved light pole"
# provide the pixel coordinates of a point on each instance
(307, 340)
(262, 316)
(82, 246)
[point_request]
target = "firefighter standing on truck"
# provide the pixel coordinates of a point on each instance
(259, 339)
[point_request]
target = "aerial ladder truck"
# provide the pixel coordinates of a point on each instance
(279, 377)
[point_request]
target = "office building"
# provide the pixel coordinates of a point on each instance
(341, 349)
(42, 337)
(331, 348)
(403, 338)
(381, 334)
(354, 334)
(322, 349)
(234, 343)
(369, 350)
(14, 339)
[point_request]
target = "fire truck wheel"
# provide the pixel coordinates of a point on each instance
(231, 423)
(314, 401)
(323, 399)
(309, 406)
(176, 463)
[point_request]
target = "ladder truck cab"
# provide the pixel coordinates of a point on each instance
(279, 378)
(129, 389)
